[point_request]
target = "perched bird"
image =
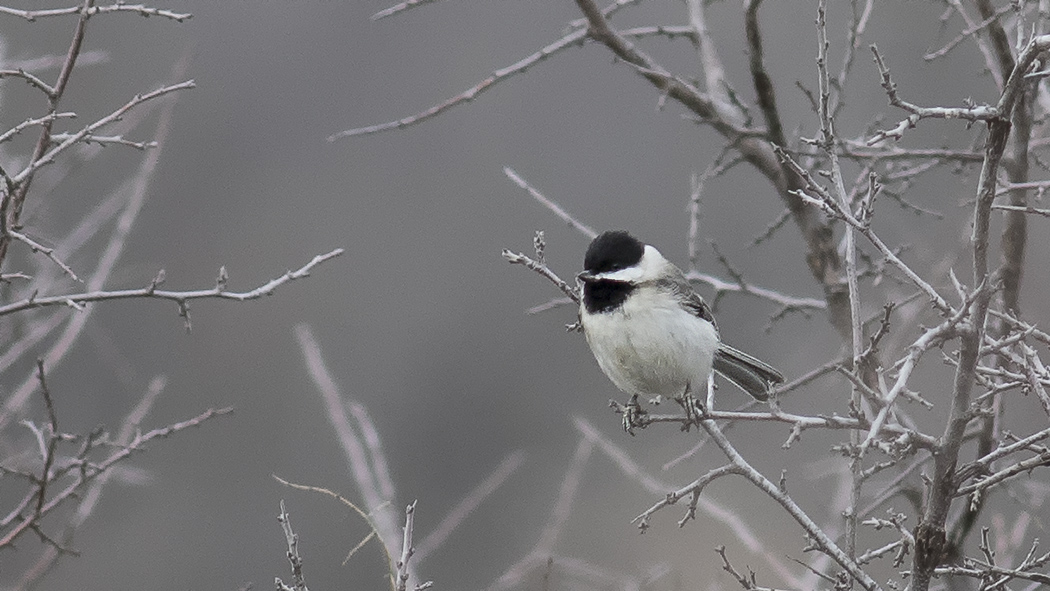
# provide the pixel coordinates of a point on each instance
(650, 332)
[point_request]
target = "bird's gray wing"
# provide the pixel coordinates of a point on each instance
(749, 374)
(690, 300)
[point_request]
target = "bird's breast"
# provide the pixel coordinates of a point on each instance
(651, 346)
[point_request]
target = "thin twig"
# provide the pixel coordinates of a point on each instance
(574, 38)
(401, 577)
(551, 205)
(76, 300)
(968, 32)
(970, 113)
(823, 542)
(400, 7)
(46, 251)
(296, 561)
(32, 15)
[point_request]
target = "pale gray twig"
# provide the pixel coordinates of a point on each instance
(73, 138)
(827, 143)
(105, 140)
(930, 339)
(32, 15)
(296, 561)
(551, 205)
(517, 258)
(50, 117)
(33, 81)
(400, 7)
(970, 113)
(407, 550)
(1005, 574)
(968, 32)
(89, 500)
(84, 472)
(981, 43)
(220, 291)
(820, 539)
(1022, 209)
(1039, 460)
(693, 489)
(831, 206)
(574, 38)
(46, 251)
(711, 509)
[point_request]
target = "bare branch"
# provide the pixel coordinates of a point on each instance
(980, 42)
(1006, 574)
(1022, 209)
(787, 302)
(400, 7)
(401, 577)
(574, 38)
(13, 200)
(46, 119)
(930, 533)
(930, 339)
(760, 78)
(48, 252)
(1040, 460)
(971, 113)
(31, 79)
(732, 519)
(84, 471)
(545, 271)
(71, 139)
(179, 297)
(349, 435)
(32, 15)
(104, 140)
(823, 542)
(551, 205)
(968, 32)
(692, 489)
(296, 561)
(832, 207)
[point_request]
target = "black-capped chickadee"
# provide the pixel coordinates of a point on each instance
(650, 332)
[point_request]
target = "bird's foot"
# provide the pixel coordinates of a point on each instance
(634, 416)
(694, 409)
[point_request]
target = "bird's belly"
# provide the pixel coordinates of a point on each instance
(653, 352)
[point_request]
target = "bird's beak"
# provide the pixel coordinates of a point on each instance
(587, 277)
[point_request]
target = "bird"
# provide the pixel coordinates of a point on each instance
(651, 333)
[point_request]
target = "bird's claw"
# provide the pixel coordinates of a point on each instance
(694, 409)
(633, 414)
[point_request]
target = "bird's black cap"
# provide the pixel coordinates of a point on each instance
(612, 251)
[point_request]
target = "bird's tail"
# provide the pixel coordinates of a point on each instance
(747, 373)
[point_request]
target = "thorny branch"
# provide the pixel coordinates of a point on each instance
(219, 291)
(72, 473)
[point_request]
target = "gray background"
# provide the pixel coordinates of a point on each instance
(421, 320)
